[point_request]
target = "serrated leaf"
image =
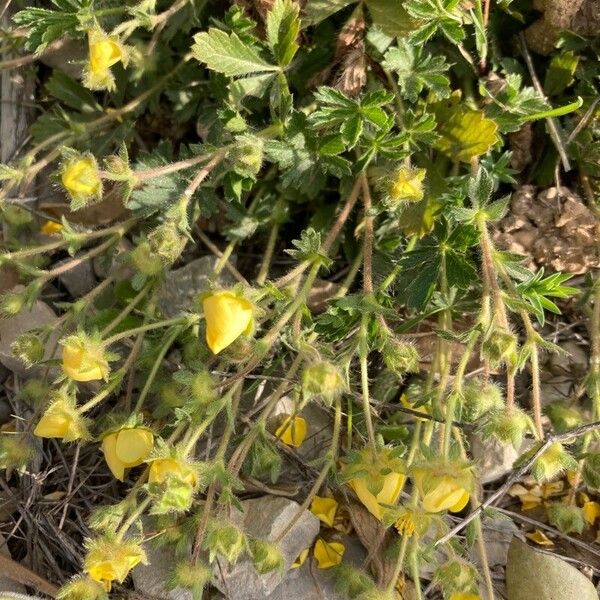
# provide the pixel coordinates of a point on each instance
(559, 75)
(283, 26)
(466, 134)
(227, 54)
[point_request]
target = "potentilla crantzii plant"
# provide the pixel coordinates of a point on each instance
(342, 168)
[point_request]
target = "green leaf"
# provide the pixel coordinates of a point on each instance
(227, 54)
(308, 247)
(556, 112)
(283, 26)
(465, 134)
(71, 93)
(391, 17)
(317, 10)
(559, 75)
(417, 71)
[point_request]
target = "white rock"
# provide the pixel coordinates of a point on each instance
(494, 460)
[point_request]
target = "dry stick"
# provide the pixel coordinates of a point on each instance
(552, 128)
(551, 439)
(17, 572)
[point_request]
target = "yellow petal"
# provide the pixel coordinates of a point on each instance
(109, 448)
(104, 53)
(292, 431)
(51, 228)
(325, 509)
(464, 596)
(461, 503)
(389, 493)
(328, 554)
(227, 317)
(540, 538)
(445, 495)
(134, 445)
(81, 364)
(591, 511)
(301, 559)
(81, 178)
(52, 426)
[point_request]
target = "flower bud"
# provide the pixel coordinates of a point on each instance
(328, 554)
(404, 185)
(563, 417)
(376, 480)
(591, 471)
(11, 303)
(84, 358)
(145, 261)
(81, 588)
(480, 397)
(554, 461)
(500, 347)
(80, 177)
(15, 451)
(247, 156)
(443, 485)
(172, 483)
(104, 52)
(228, 316)
(323, 379)
(126, 448)
(507, 426)
(34, 391)
(29, 348)
(226, 540)
(401, 357)
(109, 560)
(457, 578)
(566, 518)
(16, 216)
(266, 556)
(167, 242)
(190, 576)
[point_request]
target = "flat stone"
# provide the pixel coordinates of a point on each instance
(182, 286)
(265, 518)
(40, 315)
(149, 580)
(79, 280)
(497, 534)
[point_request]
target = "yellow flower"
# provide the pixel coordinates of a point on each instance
(161, 468)
(104, 52)
(227, 317)
(405, 524)
(464, 596)
(83, 359)
(591, 511)
(51, 228)
(61, 420)
(540, 538)
(301, 559)
(405, 185)
(126, 448)
(325, 509)
(110, 560)
(292, 431)
(442, 492)
(389, 493)
(328, 554)
(80, 177)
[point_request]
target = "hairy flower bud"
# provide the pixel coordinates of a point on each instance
(554, 461)
(15, 451)
(29, 348)
(323, 379)
(80, 176)
(104, 52)
(145, 260)
(401, 357)
(226, 540)
(480, 397)
(167, 242)
(81, 588)
(266, 556)
(507, 426)
(591, 471)
(500, 347)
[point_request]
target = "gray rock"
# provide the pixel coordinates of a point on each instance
(498, 534)
(265, 518)
(182, 286)
(80, 280)
(534, 574)
(40, 315)
(493, 459)
(149, 580)
(310, 583)
(67, 55)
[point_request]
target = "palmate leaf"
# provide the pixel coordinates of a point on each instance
(227, 54)
(417, 71)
